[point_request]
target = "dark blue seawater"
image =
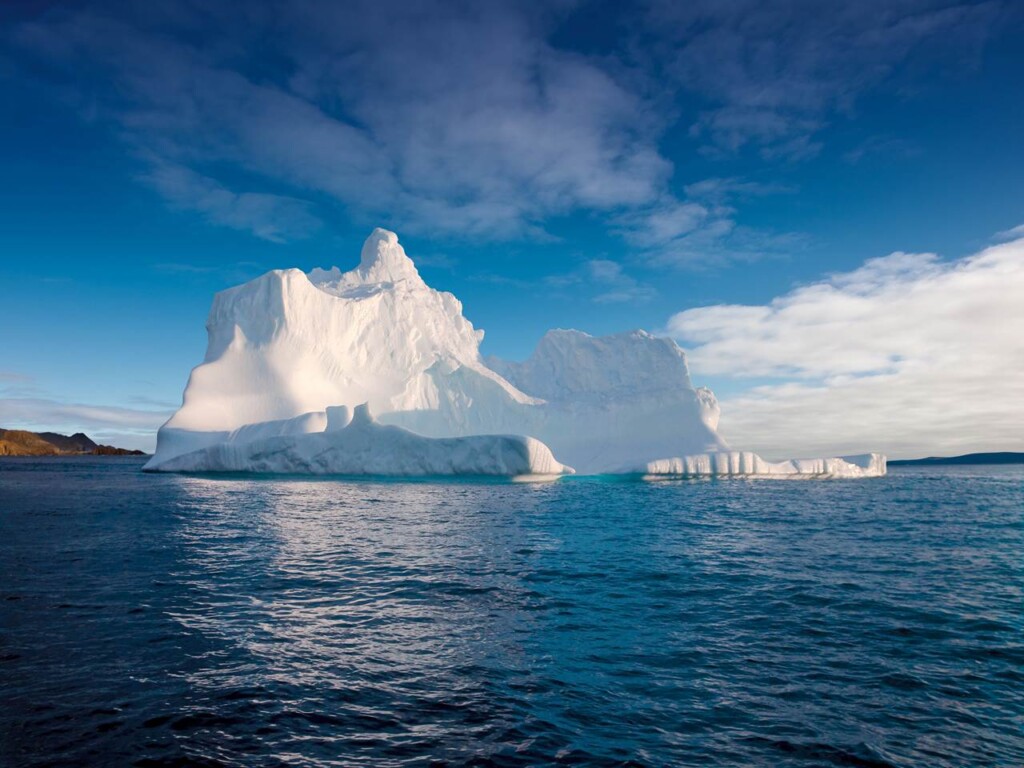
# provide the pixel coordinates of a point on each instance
(160, 620)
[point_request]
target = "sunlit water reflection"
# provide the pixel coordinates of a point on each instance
(164, 620)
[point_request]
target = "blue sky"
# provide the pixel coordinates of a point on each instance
(602, 166)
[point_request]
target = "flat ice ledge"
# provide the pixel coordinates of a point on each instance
(747, 464)
(364, 447)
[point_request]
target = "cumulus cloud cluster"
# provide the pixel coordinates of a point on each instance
(908, 354)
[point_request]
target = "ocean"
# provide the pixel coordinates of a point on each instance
(161, 620)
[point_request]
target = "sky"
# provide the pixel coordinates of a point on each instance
(823, 202)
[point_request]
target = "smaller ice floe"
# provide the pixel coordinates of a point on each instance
(361, 446)
(747, 464)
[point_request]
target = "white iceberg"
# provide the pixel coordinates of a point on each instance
(289, 352)
(747, 464)
(361, 446)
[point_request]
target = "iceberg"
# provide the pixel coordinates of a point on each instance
(747, 464)
(361, 446)
(290, 355)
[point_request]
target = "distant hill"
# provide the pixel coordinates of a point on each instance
(16, 442)
(1005, 457)
(77, 443)
(19, 442)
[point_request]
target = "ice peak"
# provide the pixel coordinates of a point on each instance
(383, 265)
(361, 416)
(383, 259)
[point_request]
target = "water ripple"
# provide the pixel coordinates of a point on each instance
(182, 621)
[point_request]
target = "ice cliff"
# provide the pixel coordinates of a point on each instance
(362, 446)
(289, 352)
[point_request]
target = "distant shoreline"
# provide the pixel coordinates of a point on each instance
(20, 443)
(125, 455)
(1003, 457)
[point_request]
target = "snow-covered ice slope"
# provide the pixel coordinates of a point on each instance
(287, 348)
(364, 447)
(614, 401)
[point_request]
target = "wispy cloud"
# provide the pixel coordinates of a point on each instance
(457, 119)
(773, 74)
(13, 384)
(17, 378)
(42, 411)
(1010, 234)
(221, 273)
(165, 406)
(276, 218)
(722, 190)
(703, 232)
(885, 146)
(603, 281)
(663, 223)
(908, 354)
(614, 284)
(470, 120)
(436, 260)
(135, 428)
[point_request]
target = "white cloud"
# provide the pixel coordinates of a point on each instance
(908, 354)
(1010, 234)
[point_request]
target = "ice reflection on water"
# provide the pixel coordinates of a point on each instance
(397, 596)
